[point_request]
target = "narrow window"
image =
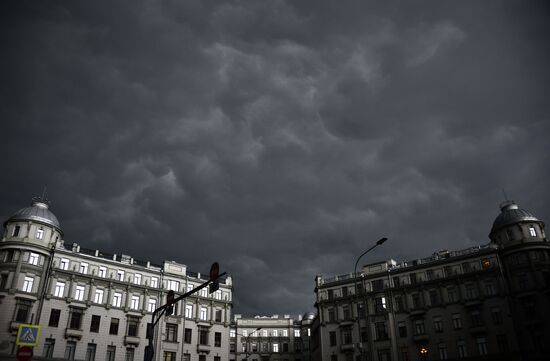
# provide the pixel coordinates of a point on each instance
(64, 264)
(16, 231)
(151, 305)
(94, 325)
(98, 296)
(532, 231)
(134, 303)
(154, 282)
(171, 332)
(102, 272)
(33, 259)
(117, 299)
(137, 279)
(27, 284)
(40, 235)
(120, 275)
(54, 317)
(79, 293)
(113, 328)
(83, 268)
(59, 289)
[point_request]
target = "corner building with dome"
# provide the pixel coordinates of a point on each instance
(489, 302)
(92, 305)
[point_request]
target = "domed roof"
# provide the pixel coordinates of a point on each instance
(37, 212)
(510, 213)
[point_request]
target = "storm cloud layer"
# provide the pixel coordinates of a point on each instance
(279, 138)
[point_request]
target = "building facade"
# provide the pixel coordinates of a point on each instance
(97, 306)
(487, 302)
(274, 338)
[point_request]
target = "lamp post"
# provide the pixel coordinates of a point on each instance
(247, 342)
(378, 243)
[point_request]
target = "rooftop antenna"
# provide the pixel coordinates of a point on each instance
(43, 197)
(505, 195)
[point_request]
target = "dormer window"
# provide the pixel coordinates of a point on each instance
(39, 233)
(532, 231)
(16, 231)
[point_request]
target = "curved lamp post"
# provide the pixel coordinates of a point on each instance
(378, 243)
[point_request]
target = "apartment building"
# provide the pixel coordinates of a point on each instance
(486, 302)
(92, 305)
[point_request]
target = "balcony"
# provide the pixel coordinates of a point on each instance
(69, 332)
(131, 340)
(347, 347)
(420, 337)
(478, 329)
(203, 348)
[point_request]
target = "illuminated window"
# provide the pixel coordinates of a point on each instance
(154, 282)
(98, 298)
(532, 231)
(33, 259)
(152, 305)
(83, 268)
(39, 233)
(137, 279)
(64, 264)
(275, 347)
(120, 275)
(102, 272)
(134, 303)
(59, 289)
(173, 285)
(188, 311)
(27, 284)
(79, 293)
(203, 314)
(117, 299)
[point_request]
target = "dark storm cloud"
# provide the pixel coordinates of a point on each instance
(280, 138)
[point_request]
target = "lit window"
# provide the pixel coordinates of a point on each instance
(117, 299)
(83, 268)
(64, 264)
(39, 233)
(152, 305)
(532, 232)
(102, 272)
(275, 347)
(98, 298)
(218, 295)
(120, 275)
(154, 282)
(27, 284)
(296, 333)
(79, 293)
(264, 333)
(245, 333)
(274, 333)
(134, 303)
(188, 311)
(285, 333)
(137, 279)
(232, 333)
(203, 292)
(59, 289)
(33, 259)
(203, 314)
(173, 285)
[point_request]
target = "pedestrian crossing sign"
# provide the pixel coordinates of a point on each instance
(28, 335)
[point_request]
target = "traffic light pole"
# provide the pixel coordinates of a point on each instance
(149, 349)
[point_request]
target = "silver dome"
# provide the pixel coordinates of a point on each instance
(37, 212)
(510, 213)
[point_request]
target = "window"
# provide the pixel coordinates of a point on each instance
(171, 332)
(54, 317)
(502, 343)
(187, 335)
(154, 282)
(274, 333)
(457, 321)
(76, 319)
(133, 325)
(3, 281)
(151, 305)
(331, 315)
(111, 351)
(59, 289)
(296, 333)
(117, 299)
(532, 232)
(264, 333)
(27, 284)
(396, 282)
(451, 294)
(137, 279)
(275, 347)
(471, 291)
(149, 331)
(120, 275)
(490, 288)
(203, 313)
(33, 259)
(430, 274)
(442, 351)
(70, 350)
(79, 293)
(434, 298)
(412, 278)
(188, 311)
(16, 231)
(49, 345)
(40, 235)
(129, 354)
(203, 336)
(83, 268)
(64, 264)
(482, 345)
(419, 327)
(134, 303)
(218, 316)
(399, 304)
(496, 315)
(346, 336)
(102, 272)
(461, 348)
(94, 325)
(381, 330)
(113, 328)
(416, 300)
(23, 310)
(377, 285)
(175, 285)
(169, 356)
(285, 333)
(476, 318)
(332, 338)
(402, 327)
(438, 324)
(218, 339)
(380, 304)
(90, 352)
(98, 298)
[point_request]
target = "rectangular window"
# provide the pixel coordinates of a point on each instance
(402, 327)
(377, 285)
(490, 289)
(416, 300)
(419, 327)
(137, 279)
(151, 305)
(218, 315)
(399, 304)
(451, 294)
(33, 259)
(49, 345)
(203, 336)
(113, 328)
(457, 321)
(79, 293)
(133, 325)
(94, 325)
(438, 324)
(98, 298)
(285, 333)
(502, 343)
(171, 332)
(380, 304)
(296, 333)
(203, 313)
(76, 319)
(64, 264)
(70, 349)
(187, 335)
(134, 303)
(275, 347)
(129, 354)
(83, 268)
(120, 275)
(442, 351)
(54, 317)
(102, 272)
(274, 333)
(40, 235)
(532, 232)
(217, 339)
(188, 311)
(154, 282)
(331, 315)
(332, 338)
(381, 330)
(59, 289)
(434, 298)
(111, 351)
(471, 292)
(168, 356)
(346, 336)
(3, 281)
(117, 299)
(461, 348)
(496, 315)
(482, 345)
(476, 318)
(174, 285)
(27, 284)
(90, 352)
(23, 310)
(16, 231)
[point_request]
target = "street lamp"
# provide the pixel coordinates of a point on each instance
(378, 243)
(247, 342)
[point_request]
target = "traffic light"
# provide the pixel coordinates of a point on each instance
(169, 303)
(214, 286)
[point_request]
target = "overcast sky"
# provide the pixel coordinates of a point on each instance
(279, 138)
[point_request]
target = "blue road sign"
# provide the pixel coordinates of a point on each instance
(28, 335)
